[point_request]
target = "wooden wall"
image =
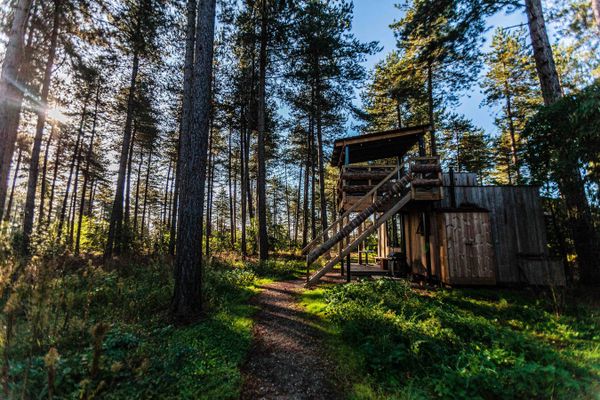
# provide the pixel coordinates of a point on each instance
(465, 247)
(517, 226)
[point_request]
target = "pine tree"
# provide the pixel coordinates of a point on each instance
(139, 23)
(10, 93)
(510, 83)
(186, 304)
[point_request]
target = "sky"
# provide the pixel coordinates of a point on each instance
(372, 19)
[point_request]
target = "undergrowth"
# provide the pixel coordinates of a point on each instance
(391, 341)
(75, 330)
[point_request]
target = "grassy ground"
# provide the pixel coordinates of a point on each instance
(87, 331)
(395, 342)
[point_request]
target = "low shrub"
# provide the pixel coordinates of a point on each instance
(461, 344)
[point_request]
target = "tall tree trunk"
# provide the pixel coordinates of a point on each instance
(186, 303)
(63, 209)
(173, 209)
(115, 241)
(14, 184)
(542, 53)
(399, 113)
(136, 202)
(165, 204)
(145, 205)
(57, 158)
(323, 200)
(261, 199)
(11, 96)
(305, 204)
(44, 173)
(511, 129)
(34, 164)
(93, 185)
(431, 105)
(86, 173)
(297, 217)
(243, 186)
(571, 184)
(596, 10)
(127, 214)
(248, 181)
(188, 81)
(230, 187)
(209, 191)
(313, 197)
(287, 203)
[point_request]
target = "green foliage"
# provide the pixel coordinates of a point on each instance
(465, 147)
(567, 129)
(118, 316)
(279, 268)
(459, 344)
(511, 83)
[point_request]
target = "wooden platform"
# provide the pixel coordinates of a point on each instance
(365, 270)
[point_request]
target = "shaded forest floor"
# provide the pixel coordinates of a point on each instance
(393, 341)
(81, 329)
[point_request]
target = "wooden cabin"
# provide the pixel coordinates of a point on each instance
(432, 224)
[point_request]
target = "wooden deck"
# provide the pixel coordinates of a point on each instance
(362, 270)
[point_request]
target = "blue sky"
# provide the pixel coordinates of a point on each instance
(372, 19)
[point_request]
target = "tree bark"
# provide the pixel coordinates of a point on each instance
(144, 206)
(261, 199)
(431, 105)
(188, 79)
(571, 184)
(127, 214)
(63, 209)
(86, 173)
(297, 215)
(305, 214)
(511, 129)
(39, 131)
(136, 201)
(209, 180)
(243, 186)
(230, 186)
(542, 53)
(12, 189)
(596, 10)
(186, 305)
(317, 105)
(57, 157)
(165, 204)
(115, 231)
(10, 94)
(44, 174)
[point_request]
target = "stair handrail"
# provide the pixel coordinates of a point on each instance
(351, 209)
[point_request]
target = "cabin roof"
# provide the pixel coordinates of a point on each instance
(377, 145)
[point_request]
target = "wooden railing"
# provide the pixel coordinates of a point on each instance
(370, 194)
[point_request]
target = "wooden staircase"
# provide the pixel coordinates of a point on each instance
(422, 183)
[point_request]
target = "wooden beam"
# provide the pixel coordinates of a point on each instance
(365, 234)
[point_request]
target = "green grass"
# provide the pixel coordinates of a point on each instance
(143, 356)
(393, 342)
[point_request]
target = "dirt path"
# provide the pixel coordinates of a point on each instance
(287, 357)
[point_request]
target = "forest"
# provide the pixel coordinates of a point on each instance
(163, 164)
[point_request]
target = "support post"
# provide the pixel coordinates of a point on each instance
(422, 146)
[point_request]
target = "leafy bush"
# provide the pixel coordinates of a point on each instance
(77, 314)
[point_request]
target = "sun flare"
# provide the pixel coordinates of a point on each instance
(57, 115)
